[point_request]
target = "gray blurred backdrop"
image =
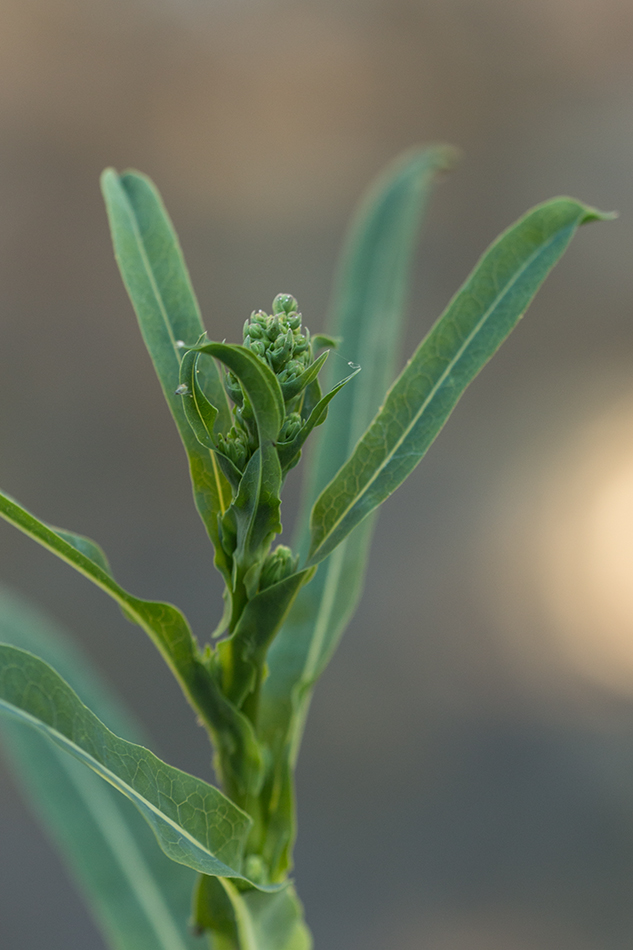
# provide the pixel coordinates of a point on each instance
(467, 776)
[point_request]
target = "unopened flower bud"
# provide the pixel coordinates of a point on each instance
(279, 564)
(258, 348)
(291, 428)
(235, 446)
(293, 369)
(273, 329)
(285, 303)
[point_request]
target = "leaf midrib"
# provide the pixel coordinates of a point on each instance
(128, 856)
(163, 312)
(86, 566)
(388, 458)
(150, 273)
(112, 778)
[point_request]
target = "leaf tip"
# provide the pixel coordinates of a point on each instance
(108, 176)
(594, 214)
(437, 158)
(447, 157)
(589, 213)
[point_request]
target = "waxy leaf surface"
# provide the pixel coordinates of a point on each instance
(165, 624)
(194, 823)
(258, 381)
(171, 634)
(155, 275)
(244, 654)
(474, 325)
(141, 900)
(366, 318)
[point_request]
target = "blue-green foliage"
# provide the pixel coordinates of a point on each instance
(245, 413)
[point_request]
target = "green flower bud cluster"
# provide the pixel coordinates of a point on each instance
(291, 428)
(235, 446)
(278, 340)
(279, 564)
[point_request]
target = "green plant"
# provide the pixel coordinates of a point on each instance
(244, 413)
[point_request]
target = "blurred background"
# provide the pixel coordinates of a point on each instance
(467, 776)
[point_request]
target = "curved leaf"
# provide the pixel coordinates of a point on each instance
(288, 451)
(201, 414)
(366, 319)
(474, 325)
(85, 546)
(258, 381)
(155, 275)
(165, 624)
(194, 823)
(140, 898)
(243, 656)
(171, 634)
(254, 514)
(293, 387)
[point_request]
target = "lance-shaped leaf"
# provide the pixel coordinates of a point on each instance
(250, 920)
(166, 626)
(294, 386)
(368, 304)
(164, 623)
(254, 514)
(366, 317)
(243, 656)
(155, 275)
(288, 451)
(258, 381)
(194, 823)
(474, 325)
(141, 900)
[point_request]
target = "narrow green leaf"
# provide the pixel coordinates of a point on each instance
(244, 654)
(254, 514)
(366, 319)
(194, 823)
(170, 633)
(85, 546)
(258, 381)
(256, 507)
(367, 316)
(201, 415)
(474, 325)
(288, 451)
(165, 624)
(294, 386)
(155, 275)
(369, 299)
(140, 898)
